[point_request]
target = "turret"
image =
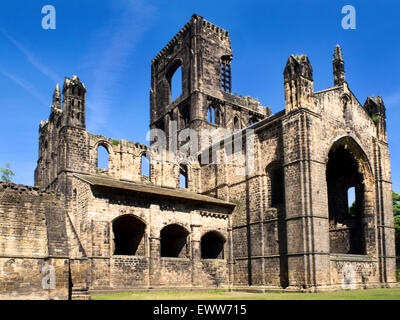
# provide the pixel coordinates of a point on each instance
(57, 97)
(377, 111)
(338, 67)
(298, 82)
(74, 92)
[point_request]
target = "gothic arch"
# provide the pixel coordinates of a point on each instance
(169, 75)
(347, 167)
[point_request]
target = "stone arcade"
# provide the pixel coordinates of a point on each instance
(284, 225)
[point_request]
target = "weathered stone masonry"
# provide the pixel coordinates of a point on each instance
(284, 225)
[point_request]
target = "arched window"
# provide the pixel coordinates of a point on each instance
(174, 79)
(214, 115)
(128, 236)
(276, 185)
(346, 193)
(174, 241)
(183, 177)
(211, 115)
(102, 157)
(145, 166)
(236, 123)
(176, 84)
(212, 246)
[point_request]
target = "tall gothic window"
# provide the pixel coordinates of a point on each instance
(226, 77)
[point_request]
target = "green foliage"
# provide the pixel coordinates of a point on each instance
(396, 212)
(352, 209)
(396, 203)
(115, 142)
(6, 173)
(375, 118)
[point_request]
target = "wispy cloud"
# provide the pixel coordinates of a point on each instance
(32, 59)
(25, 85)
(111, 51)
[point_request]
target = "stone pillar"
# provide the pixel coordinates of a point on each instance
(384, 208)
(307, 218)
(154, 251)
(196, 256)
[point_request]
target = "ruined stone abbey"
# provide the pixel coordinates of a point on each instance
(185, 223)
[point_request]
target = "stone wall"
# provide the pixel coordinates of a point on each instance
(147, 267)
(33, 238)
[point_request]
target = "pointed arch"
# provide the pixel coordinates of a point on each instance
(348, 167)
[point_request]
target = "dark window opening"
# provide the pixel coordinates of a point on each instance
(252, 121)
(174, 242)
(102, 157)
(236, 123)
(345, 183)
(185, 116)
(212, 246)
(277, 185)
(128, 236)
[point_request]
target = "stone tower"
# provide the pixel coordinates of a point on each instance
(74, 92)
(203, 51)
(62, 138)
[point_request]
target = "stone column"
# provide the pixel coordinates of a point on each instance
(154, 251)
(196, 255)
(307, 218)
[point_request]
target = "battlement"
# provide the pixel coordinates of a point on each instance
(206, 25)
(29, 190)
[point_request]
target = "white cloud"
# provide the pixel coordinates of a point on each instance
(31, 58)
(26, 86)
(110, 55)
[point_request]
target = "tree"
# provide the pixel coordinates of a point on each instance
(396, 212)
(6, 173)
(352, 209)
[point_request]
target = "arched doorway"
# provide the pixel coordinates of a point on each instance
(347, 169)
(128, 236)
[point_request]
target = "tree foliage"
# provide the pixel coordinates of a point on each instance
(6, 173)
(396, 212)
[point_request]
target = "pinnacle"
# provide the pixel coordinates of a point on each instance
(338, 53)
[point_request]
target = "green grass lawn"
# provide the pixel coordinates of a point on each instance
(373, 294)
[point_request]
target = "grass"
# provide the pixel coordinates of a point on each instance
(372, 294)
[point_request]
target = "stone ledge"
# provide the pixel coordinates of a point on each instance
(352, 258)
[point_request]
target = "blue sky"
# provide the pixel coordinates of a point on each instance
(110, 44)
